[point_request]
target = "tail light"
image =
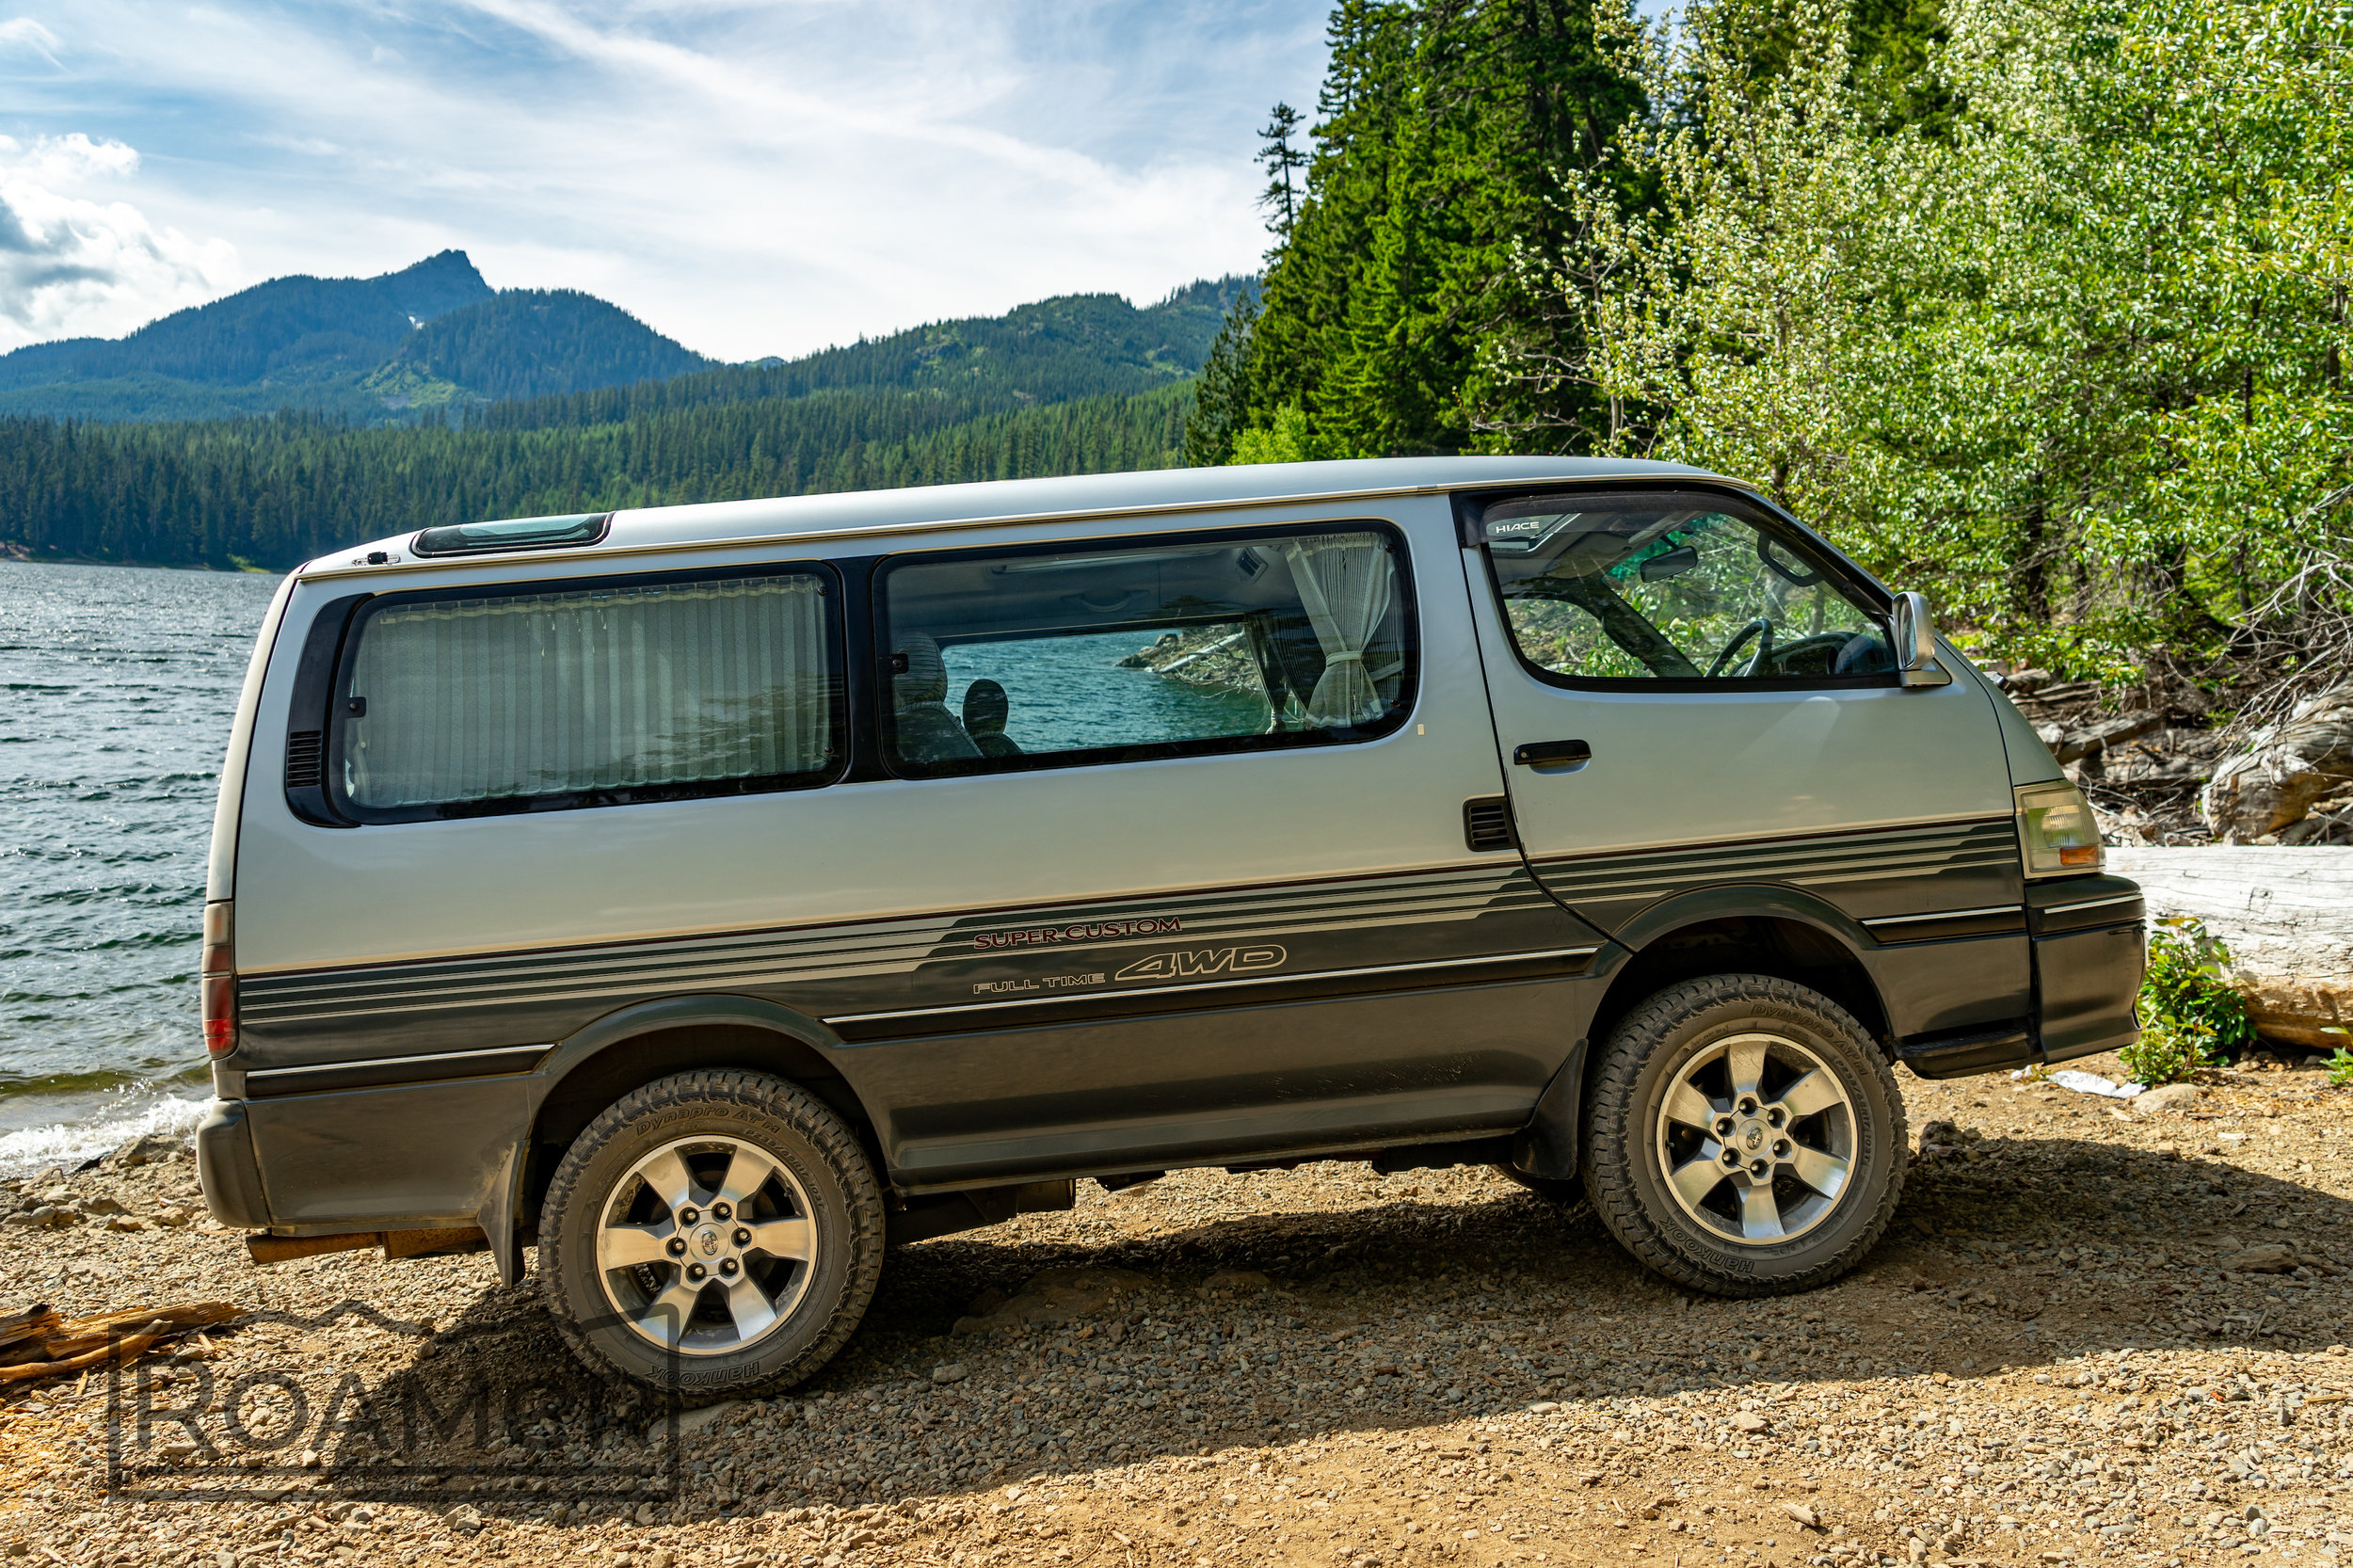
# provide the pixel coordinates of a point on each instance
(219, 979)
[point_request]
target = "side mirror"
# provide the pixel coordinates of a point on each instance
(1915, 643)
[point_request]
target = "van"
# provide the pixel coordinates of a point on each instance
(714, 896)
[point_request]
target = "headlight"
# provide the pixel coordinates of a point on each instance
(2057, 830)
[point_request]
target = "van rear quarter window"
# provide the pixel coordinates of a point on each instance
(474, 702)
(1003, 660)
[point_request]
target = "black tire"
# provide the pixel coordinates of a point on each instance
(1566, 1194)
(820, 1182)
(1684, 1039)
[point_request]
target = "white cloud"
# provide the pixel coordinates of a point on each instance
(753, 176)
(21, 35)
(71, 266)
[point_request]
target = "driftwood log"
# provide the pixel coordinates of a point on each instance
(37, 1343)
(2286, 914)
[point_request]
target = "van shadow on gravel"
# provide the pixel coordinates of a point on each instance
(2008, 1256)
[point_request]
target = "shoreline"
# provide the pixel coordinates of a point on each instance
(9, 557)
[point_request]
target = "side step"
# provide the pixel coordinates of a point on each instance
(946, 1213)
(266, 1248)
(1961, 1055)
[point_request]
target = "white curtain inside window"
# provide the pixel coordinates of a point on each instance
(1344, 583)
(609, 688)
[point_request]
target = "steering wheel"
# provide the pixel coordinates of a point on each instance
(1761, 629)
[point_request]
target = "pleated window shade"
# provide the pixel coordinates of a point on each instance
(606, 689)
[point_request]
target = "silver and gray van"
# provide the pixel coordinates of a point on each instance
(713, 896)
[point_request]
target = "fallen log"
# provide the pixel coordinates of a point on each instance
(34, 1323)
(2286, 914)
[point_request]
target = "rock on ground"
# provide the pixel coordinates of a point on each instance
(2287, 773)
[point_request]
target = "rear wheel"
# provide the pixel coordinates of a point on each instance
(718, 1232)
(1745, 1136)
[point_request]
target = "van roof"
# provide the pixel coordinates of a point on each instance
(1172, 491)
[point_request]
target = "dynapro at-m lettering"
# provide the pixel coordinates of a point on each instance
(1088, 930)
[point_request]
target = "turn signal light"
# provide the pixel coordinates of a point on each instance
(218, 981)
(2057, 830)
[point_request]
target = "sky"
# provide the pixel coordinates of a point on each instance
(769, 177)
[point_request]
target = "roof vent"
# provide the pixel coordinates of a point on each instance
(472, 538)
(306, 758)
(1487, 823)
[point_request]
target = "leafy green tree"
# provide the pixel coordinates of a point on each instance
(2070, 356)
(1220, 398)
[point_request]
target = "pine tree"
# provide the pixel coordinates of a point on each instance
(1282, 162)
(1221, 395)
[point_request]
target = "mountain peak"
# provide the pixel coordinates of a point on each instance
(439, 283)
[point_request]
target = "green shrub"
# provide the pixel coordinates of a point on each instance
(2341, 1068)
(2191, 1017)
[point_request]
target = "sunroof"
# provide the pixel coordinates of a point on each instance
(513, 534)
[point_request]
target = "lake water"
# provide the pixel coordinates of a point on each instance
(1068, 693)
(116, 687)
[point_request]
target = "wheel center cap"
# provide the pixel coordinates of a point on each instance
(707, 1240)
(1754, 1139)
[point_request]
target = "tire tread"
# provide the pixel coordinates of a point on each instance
(1611, 1112)
(753, 1091)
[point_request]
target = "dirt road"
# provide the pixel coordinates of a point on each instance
(2044, 1361)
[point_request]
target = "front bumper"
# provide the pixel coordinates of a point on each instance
(2091, 945)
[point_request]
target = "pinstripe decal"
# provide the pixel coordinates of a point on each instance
(1818, 861)
(864, 949)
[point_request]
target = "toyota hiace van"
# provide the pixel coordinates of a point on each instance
(710, 897)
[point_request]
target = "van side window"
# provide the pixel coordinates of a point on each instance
(1657, 585)
(475, 702)
(1185, 646)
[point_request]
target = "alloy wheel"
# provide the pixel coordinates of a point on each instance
(1755, 1138)
(705, 1246)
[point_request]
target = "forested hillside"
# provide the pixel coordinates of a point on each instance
(1078, 345)
(370, 350)
(1083, 384)
(531, 343)
(2037, 305)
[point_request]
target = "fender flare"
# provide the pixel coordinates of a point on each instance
(646, 1018)
(500, 1214)
(1772, 900)
(1550, 1144)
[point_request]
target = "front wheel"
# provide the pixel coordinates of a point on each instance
(1744, 1136)
(718, 1232)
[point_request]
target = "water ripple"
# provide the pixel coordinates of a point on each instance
(119, 686)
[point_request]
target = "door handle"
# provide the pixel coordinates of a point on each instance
(1537, 753)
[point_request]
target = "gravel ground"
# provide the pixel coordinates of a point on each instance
(2044, 1361)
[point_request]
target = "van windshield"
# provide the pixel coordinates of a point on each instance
(1668, 587)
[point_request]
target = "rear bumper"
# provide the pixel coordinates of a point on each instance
(226, 1167)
